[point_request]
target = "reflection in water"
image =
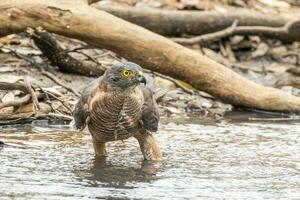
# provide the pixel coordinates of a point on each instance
(107, 174)
(201, 161)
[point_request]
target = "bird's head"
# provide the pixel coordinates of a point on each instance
(124, 75)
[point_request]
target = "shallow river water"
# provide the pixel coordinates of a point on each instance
(202, 160)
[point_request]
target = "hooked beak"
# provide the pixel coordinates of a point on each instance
(141, 78)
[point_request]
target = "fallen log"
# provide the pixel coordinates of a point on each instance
(178, 23)
(285, 33)
(13, 86)
(61, 58)
(152, 51)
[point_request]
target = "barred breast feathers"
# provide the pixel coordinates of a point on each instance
(115, 114)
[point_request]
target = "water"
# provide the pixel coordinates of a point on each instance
(202, 160)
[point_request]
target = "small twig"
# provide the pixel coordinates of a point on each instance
(79, 48)
(48, 98)
(207, 38)
(61, 101)
(230, 52)
(58, 112)
(15, 53)
(53, 78)
(35, 100)
(25, 87)
(289, 28)
(62, 116)
(175, 81)
(13, 86)
(48, 74)
(104, 64)
(274, 119)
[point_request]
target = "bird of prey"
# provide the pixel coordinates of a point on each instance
(119, 105)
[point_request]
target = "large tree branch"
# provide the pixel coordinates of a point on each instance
(177, 23)
(148, 49)
(13, 86)
(61, 58)
(291, 28)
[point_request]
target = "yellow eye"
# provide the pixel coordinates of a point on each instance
(126, 73)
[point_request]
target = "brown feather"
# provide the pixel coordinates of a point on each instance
(114, 115)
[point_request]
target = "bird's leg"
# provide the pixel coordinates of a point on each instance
(149, 146)
(99, 147)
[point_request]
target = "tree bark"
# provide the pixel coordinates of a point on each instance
(177, 23)
(139, 45)
(287, 33)
(61, 58)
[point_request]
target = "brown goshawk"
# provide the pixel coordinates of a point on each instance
(119, 105)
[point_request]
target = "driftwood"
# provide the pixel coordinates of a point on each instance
(25, 87)
(24, 111)
(177, 23)
(291, 28)
(76, 19)
(13, 86)
(61, 58)
(34, 98)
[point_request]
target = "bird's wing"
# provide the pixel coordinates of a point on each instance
(81, 108)
(150, 115)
